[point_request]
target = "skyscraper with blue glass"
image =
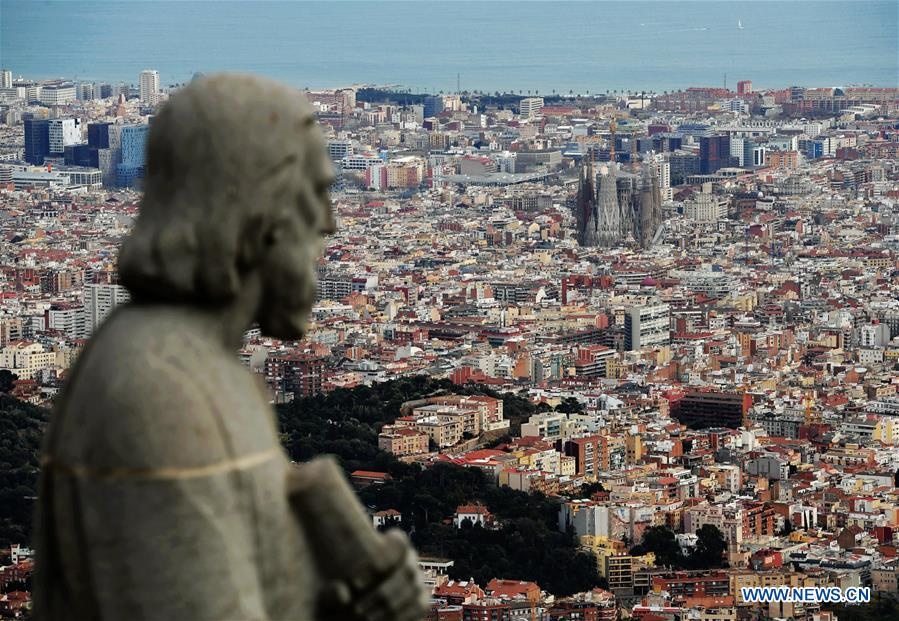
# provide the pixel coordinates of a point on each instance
(130, 169)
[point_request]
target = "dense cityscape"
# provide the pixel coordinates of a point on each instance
(655, 333)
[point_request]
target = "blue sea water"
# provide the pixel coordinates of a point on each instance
(522, 45)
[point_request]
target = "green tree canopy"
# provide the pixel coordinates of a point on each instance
(21, 430)
(710, 548)
(7, 378)
(570, 405)
(660, 541)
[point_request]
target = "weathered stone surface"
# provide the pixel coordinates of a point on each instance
(165, 493)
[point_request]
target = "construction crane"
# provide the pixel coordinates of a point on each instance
(613, 126)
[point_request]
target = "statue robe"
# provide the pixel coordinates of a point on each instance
(163, 490)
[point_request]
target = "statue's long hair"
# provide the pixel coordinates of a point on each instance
(219, 155)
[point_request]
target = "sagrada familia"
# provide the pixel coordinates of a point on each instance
(615, 207)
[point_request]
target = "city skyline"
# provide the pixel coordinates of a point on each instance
(664, 329)
(579, 46)
(625, 355)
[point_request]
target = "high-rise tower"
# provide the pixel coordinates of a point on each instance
(613, 125)
(149, 87)
(37, 139)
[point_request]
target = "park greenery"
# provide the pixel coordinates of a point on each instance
(524, 544)
(707, 554)
(346, 422)
(21, 429)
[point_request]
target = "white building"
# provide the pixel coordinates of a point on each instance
(38, 177)
(99, 300)
(662, 169)
(33, 92)
(712, 284)
(870, 356)
(26, 359)
(71, 321)
(360, 161)
(475, 514)
(64, 132)
(813, 129)
(531, 107)
(738, 106)
(148, 83)
(5, 78)
(57, 94)
(552, 425)
(19, 553)
(386, 518)
(706, 207)
(873, 335)
(376, 177)
(647, 325)
(736, 149)
(81, 176)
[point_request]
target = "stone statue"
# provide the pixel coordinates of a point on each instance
(164, 491)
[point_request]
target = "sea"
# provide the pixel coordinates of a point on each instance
(430, 46)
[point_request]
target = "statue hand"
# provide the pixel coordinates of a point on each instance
(399, 594)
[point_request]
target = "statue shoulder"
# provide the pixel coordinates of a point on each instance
(144, 395)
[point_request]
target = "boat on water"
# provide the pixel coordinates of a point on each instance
(739, 24)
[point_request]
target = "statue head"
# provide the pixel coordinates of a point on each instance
(236, 188)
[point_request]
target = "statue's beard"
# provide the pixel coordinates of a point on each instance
(283, 325)
(284, 313)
